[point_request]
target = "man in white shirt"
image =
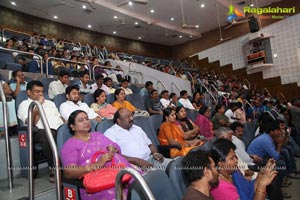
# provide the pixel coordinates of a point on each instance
(184, 100)
(59, 86)
(135, 146)
(99, 84)
(108, 82)
(124, 86)
(165, 101)
(73, 103)
(230, 112)
(35, 92)
(238, 131)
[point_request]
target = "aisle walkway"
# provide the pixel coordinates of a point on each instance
(294, 189)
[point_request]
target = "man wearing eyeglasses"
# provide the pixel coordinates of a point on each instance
(35, 92)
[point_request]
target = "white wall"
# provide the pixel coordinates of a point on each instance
(153, 75)
(285, 43)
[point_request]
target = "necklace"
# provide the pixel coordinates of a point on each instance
(84, 138)
(225, 178)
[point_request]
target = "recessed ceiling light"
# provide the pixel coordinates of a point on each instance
(136, 23)
(191, 36)
(197, 26)
(202, 5)
(13, 3)
(180, 36)
(130, 3)
(172, 19)
(152, 11)
(84, 6)
(139, 38)
(89, 26)
(115, 32)
(115, 17)
(55, 17)
(251, 5)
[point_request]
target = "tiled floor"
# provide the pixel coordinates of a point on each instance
(294, 189)
(41, 184)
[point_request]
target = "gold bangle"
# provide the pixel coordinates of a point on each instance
(264, 192)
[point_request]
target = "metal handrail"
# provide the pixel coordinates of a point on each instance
(246, 80)
(105, 67)
(159, 81)
(7, 29)
(265, 89)
(245, 101)
(136, 72)
(282, 96)
(27, 53)
(36, 104)
(175, 86)
(221, 94)
(138, 178)
(270, 114)
(209, 92)
(7, 142)
(66, 60)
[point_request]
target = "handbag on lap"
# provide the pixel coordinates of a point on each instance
(104, 177)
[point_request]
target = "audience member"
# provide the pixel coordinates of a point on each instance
(78, 151)
(165, 101)
(171, 134)
(153, 104)
(184, 100)
(219, 119)
(35, 92)
(103, 109)
(147, 89)
(203, 122)
(188, 127)
(201, 172)
(84, 86)
(59, 86)
(19, 83)
(73, 103)
(124, 86)
(108, 82)
(136, 147)
(99, 84)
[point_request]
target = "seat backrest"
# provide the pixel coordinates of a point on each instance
(7, 57)
(59, 99)
(104, 125)
(136, 100)
(155, 121)
(249, 131)
(159, 185)
(110, 98)
(192, 114)
(144, 124)
(176, 177)
(19, 98)
(46, 82)
(63, 134)
(88, 99)
(135, 89)
(13, 66)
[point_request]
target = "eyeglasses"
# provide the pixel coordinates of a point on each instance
(38, 91)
